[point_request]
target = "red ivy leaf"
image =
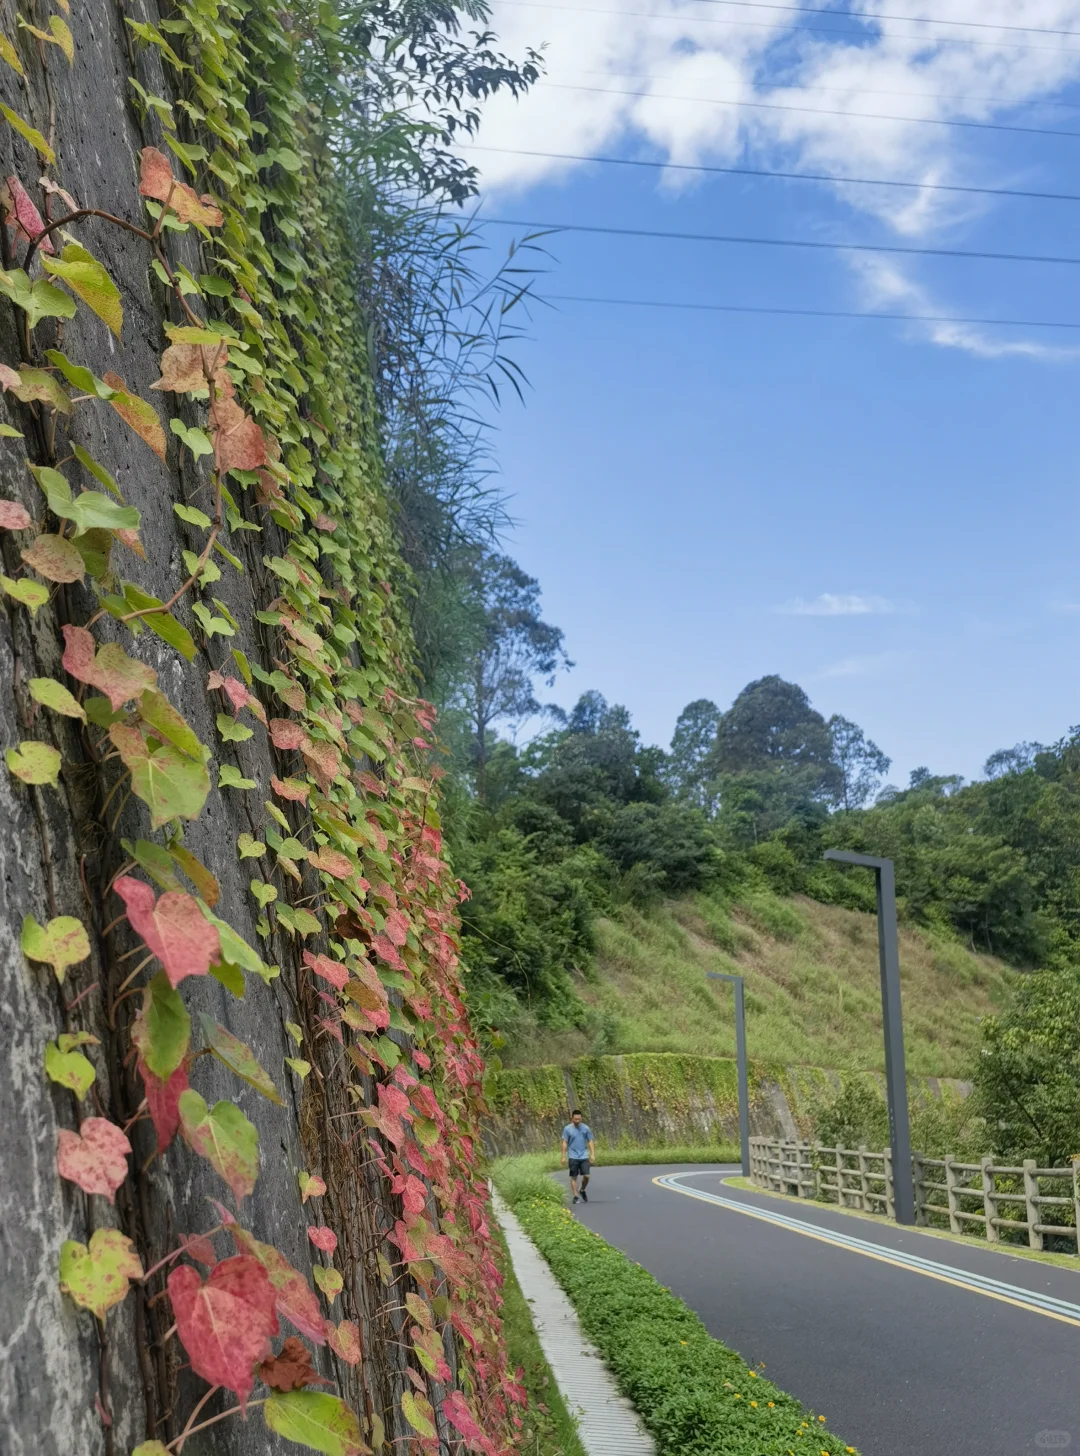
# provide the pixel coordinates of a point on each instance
(286, 734)
(291, 789)
(294, 1298)
(14, 517)
(344, 1340)
(156, 180)
(19, 210)
(108, 668)
(323, 1238)
(95, 1157)
(332, 971)
(239, 444)
(163, 1102)
(174, 929)
(385, 949)
(225, 1324)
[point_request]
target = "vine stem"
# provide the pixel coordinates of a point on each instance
(232, 1411)
(191, 1418)
(74, 217)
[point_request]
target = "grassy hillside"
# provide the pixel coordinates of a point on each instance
(812, 987)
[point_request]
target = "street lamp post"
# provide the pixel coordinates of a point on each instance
(895, 1074)
(740, 1056)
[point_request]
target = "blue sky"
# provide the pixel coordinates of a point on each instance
(886, 513)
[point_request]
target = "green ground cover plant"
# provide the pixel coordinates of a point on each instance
(695, 1396)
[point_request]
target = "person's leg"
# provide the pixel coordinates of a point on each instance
(574, 1167)
(584, 1180)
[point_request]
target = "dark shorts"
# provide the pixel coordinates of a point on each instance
(579, 1167)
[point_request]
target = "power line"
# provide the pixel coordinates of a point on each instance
(820, 111)
(907, 318)
(869, 15)
(848, 90)
(786, 176)
(997, 45)
(817, 244)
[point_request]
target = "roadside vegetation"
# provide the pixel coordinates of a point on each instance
(694, 1395)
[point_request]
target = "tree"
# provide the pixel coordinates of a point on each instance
(771, 724)
(686, 770)
(514, 647)
(860, 761)
(1013, 760)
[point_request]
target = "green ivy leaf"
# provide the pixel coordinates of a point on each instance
(40, 299)
(300, 922)
(98, 1277)
(172, 785)
(230, 777)
(225, 1138)
(162, 624)
(265, 894)
(231, 730)
(250, 848)
(51, 694)
(192, 516)
(161, 717)
(61, 943)
(238, 1057)
(299, 1066)
(87, 278)
(328, 1280)
(89, 509)
(87, 461)
(316, 1420)
(231, 977)
(34, 763)
(28, 133)
(210, 624)
(26, 591)
(70, 1069)
(162, 1030)
(418, 1412)
(199, 445)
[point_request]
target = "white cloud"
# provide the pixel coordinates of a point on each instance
(683, 56)
(839, 604)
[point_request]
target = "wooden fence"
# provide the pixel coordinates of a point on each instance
(984, 1198)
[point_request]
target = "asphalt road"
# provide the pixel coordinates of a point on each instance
(900, 1362)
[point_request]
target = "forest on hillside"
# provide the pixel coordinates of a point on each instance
(583, 820)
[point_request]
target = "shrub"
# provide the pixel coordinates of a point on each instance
(696, 1397)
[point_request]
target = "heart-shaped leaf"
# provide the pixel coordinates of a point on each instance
(344, 1340)
(163, 1102)
(225, 1138)
(311, 1186)
(70, 1069)
(173, 927)
(170, 784)
(295, 1299)
(61, 943)
(418, 1412)
(328, 1280)
(33, 763)
(108, 668)
(26, 591)
(86, 277)
(314, 1419)
(51, 694)
(55, 558)
(225, 1323)
(95, 1157)
(97, 1277)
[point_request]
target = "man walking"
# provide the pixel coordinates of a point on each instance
(578, 1150)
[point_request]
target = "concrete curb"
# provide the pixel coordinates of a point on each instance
(607, 1423)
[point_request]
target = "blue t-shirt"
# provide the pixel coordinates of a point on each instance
(577, 1139)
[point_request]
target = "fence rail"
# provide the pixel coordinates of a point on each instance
(984, 1198)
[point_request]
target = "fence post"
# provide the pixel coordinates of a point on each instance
(950, 1194)
(841, 1198)
(1031, 1191)
(890, 1196)
(989, 1202)
(1076, 1199)
(818, 1198)
(864, 1187)
(920, 1191)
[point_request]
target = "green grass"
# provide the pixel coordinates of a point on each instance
(548, 1428)
(812, 989)
(695, 1396)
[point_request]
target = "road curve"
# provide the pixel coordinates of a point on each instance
(909, 1345)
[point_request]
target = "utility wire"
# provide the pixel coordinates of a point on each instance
(996, 45)
(820, 111)
(907, 318)
(786, 176)
(870, 16)
(845, 90)
(570, 227)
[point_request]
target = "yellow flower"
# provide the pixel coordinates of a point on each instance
(682, 1342)
(753, 1374)
(821, 1418)
(771, 1404)
(754, 1404)
(738, 1396)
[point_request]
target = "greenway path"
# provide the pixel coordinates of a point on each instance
(910, 1345)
